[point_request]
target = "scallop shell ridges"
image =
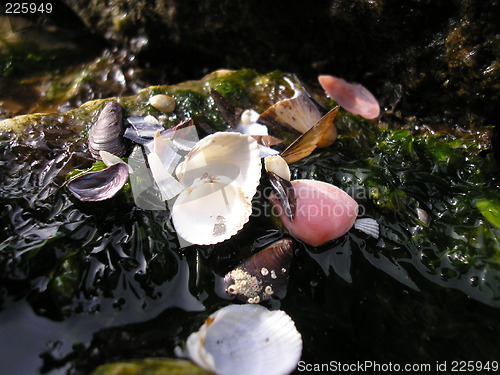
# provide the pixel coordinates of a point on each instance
(248, 337)
(228, 154)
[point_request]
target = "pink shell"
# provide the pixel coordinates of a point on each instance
(324, 212)
(353, 97)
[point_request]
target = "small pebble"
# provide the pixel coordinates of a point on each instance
(162, 103)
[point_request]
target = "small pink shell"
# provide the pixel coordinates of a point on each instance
(324, 212)
(353, 97)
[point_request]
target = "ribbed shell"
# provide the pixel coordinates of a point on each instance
(211, 210)
(246, 339)
(228, 154)
(107, 133)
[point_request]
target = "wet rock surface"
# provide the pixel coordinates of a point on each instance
(424, 57)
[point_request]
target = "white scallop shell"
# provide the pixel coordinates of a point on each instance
(245, 339)
(229, 154)
(211, 210)
(369, 226)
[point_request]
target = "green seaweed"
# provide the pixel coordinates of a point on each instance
(154, 366)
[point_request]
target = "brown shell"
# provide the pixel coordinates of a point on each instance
(323, 134)
(107, 133)
(263, 275)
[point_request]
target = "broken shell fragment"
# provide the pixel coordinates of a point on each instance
(211, 210)
(99, 185)
(278, 165)
(263, 275)
(355, 98)
(142, 129)
(107, 133)
(229, 154)
(245, 339)
(322, 134)
(162, 103)
(323, 212)
(369, 226)
(297, 114)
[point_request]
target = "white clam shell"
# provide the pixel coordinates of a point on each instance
(278, 165)
(211, 210)
(229, 154)
(245, 339)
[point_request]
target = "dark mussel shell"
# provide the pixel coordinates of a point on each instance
(107, 133)
(263, 275)
(285, 193)
(99, 185)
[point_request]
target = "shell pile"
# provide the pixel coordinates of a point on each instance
(209, 185)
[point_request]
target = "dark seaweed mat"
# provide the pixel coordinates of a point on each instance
(114, 277)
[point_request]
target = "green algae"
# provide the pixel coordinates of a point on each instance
(153, 366)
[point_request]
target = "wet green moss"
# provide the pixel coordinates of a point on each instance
(152, 366)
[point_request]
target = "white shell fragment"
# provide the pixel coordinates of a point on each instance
(369, 226)
(233, 155)
(162, 161)
(211, 210)
(248, 124)
(278, 165)
(110, 159)
(245, 339)
(144, 189)
(142, 129)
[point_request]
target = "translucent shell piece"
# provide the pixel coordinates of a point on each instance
(322, 134)
(233, 155)
(107, 133)
(99, 185)
(245, 339)
(263, 275)
(211, 210)
(323, 212)
(353, 97)
(298, 113)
